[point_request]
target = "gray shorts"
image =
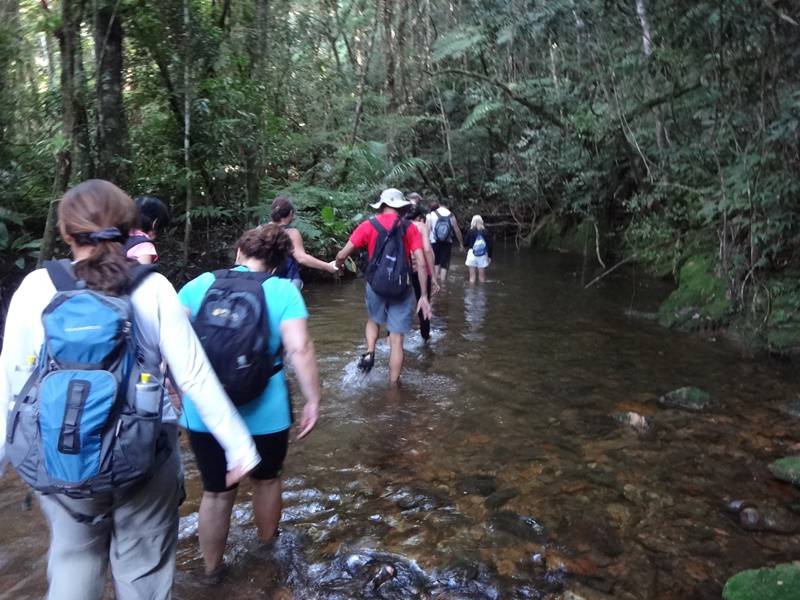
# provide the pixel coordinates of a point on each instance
(395, 314)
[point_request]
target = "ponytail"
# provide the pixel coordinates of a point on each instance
(106, 270)
(97, 213)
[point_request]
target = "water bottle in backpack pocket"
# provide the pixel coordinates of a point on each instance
(479, 246)
(74, 428)
(232, 325)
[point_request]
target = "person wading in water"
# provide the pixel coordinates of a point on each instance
(283, 214)
(416, 215)
(390, 242)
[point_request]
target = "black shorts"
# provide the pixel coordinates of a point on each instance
(211, 458)
(442, 252)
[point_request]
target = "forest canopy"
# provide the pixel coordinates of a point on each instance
(661, 132)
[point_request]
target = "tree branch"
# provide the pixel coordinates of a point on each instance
(538, 109)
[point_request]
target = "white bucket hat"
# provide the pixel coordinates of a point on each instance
(391, 197)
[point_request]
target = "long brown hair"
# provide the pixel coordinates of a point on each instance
(97, 213)
(268, 243)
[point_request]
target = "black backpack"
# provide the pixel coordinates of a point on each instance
(388, 270)
(233, 327)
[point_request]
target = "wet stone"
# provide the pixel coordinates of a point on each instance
(524, 528)
(419, 498)
(481, 485)
(792, 408)
(687, 398)
(500, 497)
(787, 469)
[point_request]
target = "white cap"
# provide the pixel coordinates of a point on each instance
(391, 197)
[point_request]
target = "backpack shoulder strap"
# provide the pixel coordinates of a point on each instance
(139, 273)
(377, 225)
(135, 240)
(61, 274)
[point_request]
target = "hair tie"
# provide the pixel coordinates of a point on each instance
(109, 234)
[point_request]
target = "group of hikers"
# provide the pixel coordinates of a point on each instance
(92, 345)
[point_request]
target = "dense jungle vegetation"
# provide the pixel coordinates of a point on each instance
(665, 133)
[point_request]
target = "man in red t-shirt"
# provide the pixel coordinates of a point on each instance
(396, 314)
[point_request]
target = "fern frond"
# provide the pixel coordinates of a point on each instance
(406, 166)
(480, 112)
(455, 43)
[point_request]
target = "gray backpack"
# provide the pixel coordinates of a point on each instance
(74, 428)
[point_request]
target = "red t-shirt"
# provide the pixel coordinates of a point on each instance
(366, 236)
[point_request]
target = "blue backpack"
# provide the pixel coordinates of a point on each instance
(442, 228)
(388, 271)
(479, 247)
(74, 428)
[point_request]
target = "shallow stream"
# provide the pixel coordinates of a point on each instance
(526, 455)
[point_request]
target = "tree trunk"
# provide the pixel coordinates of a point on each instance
(111, 122)
(9, 43)
(389, 54)
(68, 40)
(647, 48)
(362, 80)
(187, 122)
(254, 151)
(82, 142)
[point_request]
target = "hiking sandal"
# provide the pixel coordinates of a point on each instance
(367, 362)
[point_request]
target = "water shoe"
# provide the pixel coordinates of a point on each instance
(367, 361)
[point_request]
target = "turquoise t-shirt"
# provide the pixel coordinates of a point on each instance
(271, 412)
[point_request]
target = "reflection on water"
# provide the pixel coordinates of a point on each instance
(474, 311)
(508, 464)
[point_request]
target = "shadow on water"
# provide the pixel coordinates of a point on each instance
(524, 455)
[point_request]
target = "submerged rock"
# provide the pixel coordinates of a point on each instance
(687, 398)
(524, 528)
(500, 497)
(787, 469)
(780, 583)
(637, 422)
(481, 485)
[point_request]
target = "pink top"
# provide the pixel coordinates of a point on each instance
(143, 249)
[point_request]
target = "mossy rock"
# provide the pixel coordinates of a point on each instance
(779, 583)
(783, 324)
(701, 299)
(688, 398)
(787, 469)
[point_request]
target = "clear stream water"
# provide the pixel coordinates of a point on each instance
(508, 465)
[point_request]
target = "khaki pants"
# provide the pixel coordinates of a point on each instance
(138, 540)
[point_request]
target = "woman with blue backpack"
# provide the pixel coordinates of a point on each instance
(479, 249)
(86, 425)
(249, 321)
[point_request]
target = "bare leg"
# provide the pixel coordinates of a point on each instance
(482, 275)
(395, 357)
(472, 274)
(443, 273)
(371, 333)
(213, 526)
(267, 507)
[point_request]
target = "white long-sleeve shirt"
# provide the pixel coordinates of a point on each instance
(163, 328)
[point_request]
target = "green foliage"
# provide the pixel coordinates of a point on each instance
(701, 299)
(520, 111)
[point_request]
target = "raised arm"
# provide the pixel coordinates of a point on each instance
(300, 353)
(305, 259)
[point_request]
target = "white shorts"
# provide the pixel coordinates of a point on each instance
(477, 261)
